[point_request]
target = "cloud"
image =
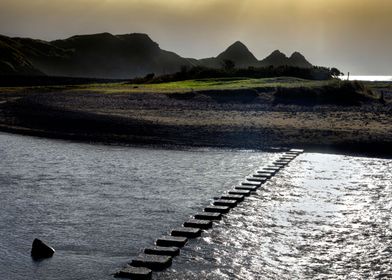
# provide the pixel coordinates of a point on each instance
(328, 31)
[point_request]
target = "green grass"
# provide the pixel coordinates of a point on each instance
(180, 86)
(201, 85)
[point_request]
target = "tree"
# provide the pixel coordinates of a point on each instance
(335, 73)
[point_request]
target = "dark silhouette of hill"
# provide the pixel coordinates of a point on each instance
(237, 53)
(117, 57)
(97, 56)
(277, 58)
(298, 60)
(13, 62)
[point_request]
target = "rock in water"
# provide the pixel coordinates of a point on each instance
(40, 250)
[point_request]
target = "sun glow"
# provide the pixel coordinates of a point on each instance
(329, 32)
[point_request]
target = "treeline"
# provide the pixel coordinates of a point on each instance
(229, 71)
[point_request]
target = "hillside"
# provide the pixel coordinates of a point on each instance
(13, 62)
(278, 58)
(117, 57)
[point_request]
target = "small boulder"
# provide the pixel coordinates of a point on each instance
(40, 250)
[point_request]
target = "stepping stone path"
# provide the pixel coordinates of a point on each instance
(159, 256)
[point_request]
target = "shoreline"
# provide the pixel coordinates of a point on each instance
(201, 119)
(378, 150)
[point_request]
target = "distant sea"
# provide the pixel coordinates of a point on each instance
(368, 78)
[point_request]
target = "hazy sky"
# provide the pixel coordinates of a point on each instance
(354, 35)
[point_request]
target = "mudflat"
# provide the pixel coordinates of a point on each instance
(249, 119)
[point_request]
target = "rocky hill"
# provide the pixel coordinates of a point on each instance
(117, 57)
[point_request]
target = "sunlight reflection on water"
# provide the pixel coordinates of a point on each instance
(323, 217)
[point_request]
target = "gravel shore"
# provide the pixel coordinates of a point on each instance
(198, 119)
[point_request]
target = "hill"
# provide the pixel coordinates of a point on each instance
(97, 56)
(277, 58)
(110, 56)
(13, 62)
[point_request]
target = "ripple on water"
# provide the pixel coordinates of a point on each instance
(312, 221)
(100, 205)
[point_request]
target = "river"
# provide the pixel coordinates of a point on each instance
(98, 205)
(323, 217)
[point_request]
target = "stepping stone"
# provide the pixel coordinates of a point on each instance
(217, 209)
(279, 162)
(265, 174)
(247, 188)
(153, 262)
(240, 192)
(296, 151)
(273, 171)
(261, 176)
(163, 251)
(225, 202)
(132, 272)
(186, 232)
(169, 241)
(237, 197)
(278, 165)
(256, 179)
(292, 154)
(208, 216)
(252, 184)
(196, 223)
(274, 168)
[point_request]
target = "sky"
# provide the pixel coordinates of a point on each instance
(353, 35)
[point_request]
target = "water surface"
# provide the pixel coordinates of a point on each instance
(323, 217)
(98, 206)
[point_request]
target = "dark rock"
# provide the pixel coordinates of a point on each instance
(137, 273)
(276, 168)
(154, 262)
(217, 209)
(252, 184)
(195, 223)
(237, 197)
(279, 164)
(208, 216)
(169, 241)
(40, 250)
(186, 232)
(163, 251)
(248, 187)
(225, 202)
(287, 157)
(240, 192)
(258, 175)
(258, 180)
(273, 171)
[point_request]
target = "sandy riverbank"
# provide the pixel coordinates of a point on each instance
(210, 119)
